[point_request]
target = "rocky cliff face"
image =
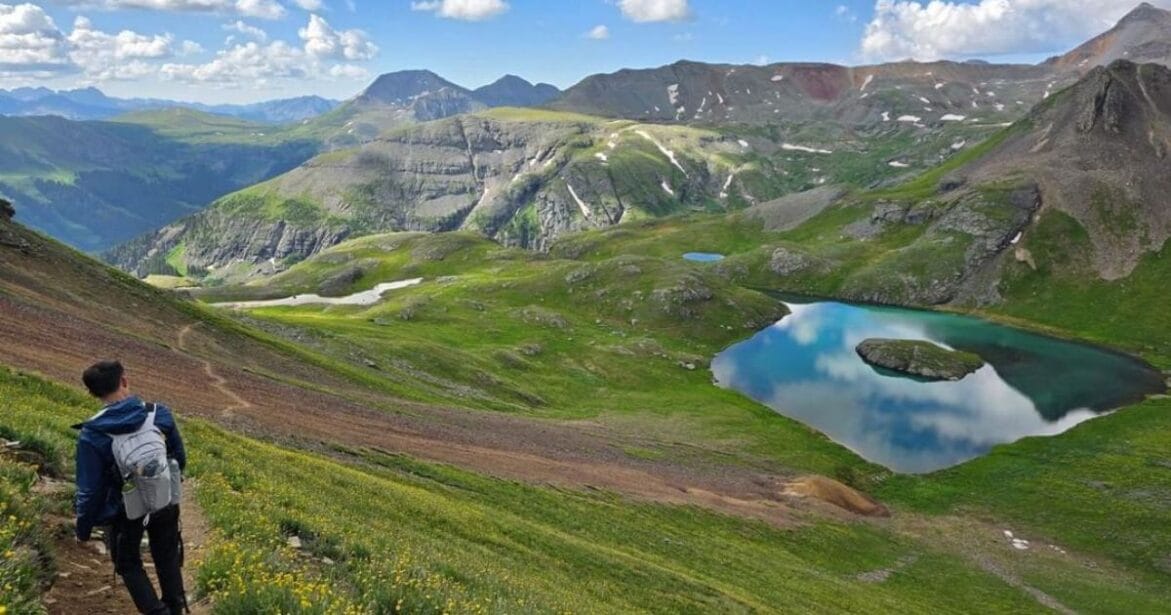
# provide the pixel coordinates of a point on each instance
(522, 180)
(1092, 158)
(1098, 152)
(964, 234)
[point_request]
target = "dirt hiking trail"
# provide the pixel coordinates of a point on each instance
(218, 382)
(85, 581)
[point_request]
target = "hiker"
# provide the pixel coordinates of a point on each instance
(130, 458)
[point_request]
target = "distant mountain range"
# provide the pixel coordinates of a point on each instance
(93, 104)
(429, 95)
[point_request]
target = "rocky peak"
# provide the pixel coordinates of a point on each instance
(403, 86)
(1125, 93)
(1145, 12)
(514, 91)
(1098, 151)
(1143, 35)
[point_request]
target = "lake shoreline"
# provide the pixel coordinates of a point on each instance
(1033, 384)
(989, 317)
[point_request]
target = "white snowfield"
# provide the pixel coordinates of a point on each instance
(666, 152)
(364, 298)
(802, 148)
(585, 209)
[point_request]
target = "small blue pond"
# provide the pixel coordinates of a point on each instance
(805, 367)
(703, 257)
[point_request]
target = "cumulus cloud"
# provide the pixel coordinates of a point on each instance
(30, 42)
(259, 63)
(598, 33)
(250, 62)
(466, 10)
(33, 47)
(348, 71)
(644, 11)
(309, 5)
(323, 42)
(122, 56)
(263, 9)
(247, 30)
(190, 48)
(932, 30)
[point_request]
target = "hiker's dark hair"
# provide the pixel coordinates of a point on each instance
(103, 378)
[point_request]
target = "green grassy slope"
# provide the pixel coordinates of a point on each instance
(96, 184)
(516, 332)
(1095, 490)
(386, 533)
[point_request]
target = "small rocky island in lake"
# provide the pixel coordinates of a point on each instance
(918, 358)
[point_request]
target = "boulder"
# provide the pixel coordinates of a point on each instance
(787, 262)
(919, 358)
(837, 494)
(7, 211)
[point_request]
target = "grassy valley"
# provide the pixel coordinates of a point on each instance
(98, 184)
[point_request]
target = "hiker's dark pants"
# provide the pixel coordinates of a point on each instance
(166, 550)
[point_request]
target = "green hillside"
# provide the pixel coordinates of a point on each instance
(433, 328)
(527, 177)
(97, 184)
(385, 533)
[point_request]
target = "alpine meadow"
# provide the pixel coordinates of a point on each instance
(883, 329)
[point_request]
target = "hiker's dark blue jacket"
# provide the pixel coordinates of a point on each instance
(99, 487)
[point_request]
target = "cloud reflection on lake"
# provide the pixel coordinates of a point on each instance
(806, 368)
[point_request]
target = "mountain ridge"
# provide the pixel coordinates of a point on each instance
(92, 104)
(514, 91)
(1142, 35)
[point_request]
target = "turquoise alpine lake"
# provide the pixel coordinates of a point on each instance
(703, 257)
(806, 367)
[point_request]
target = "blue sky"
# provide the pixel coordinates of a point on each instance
(246, 50)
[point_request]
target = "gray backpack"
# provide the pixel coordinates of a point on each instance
(148, 478)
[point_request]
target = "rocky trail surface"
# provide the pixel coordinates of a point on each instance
(85, 581)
